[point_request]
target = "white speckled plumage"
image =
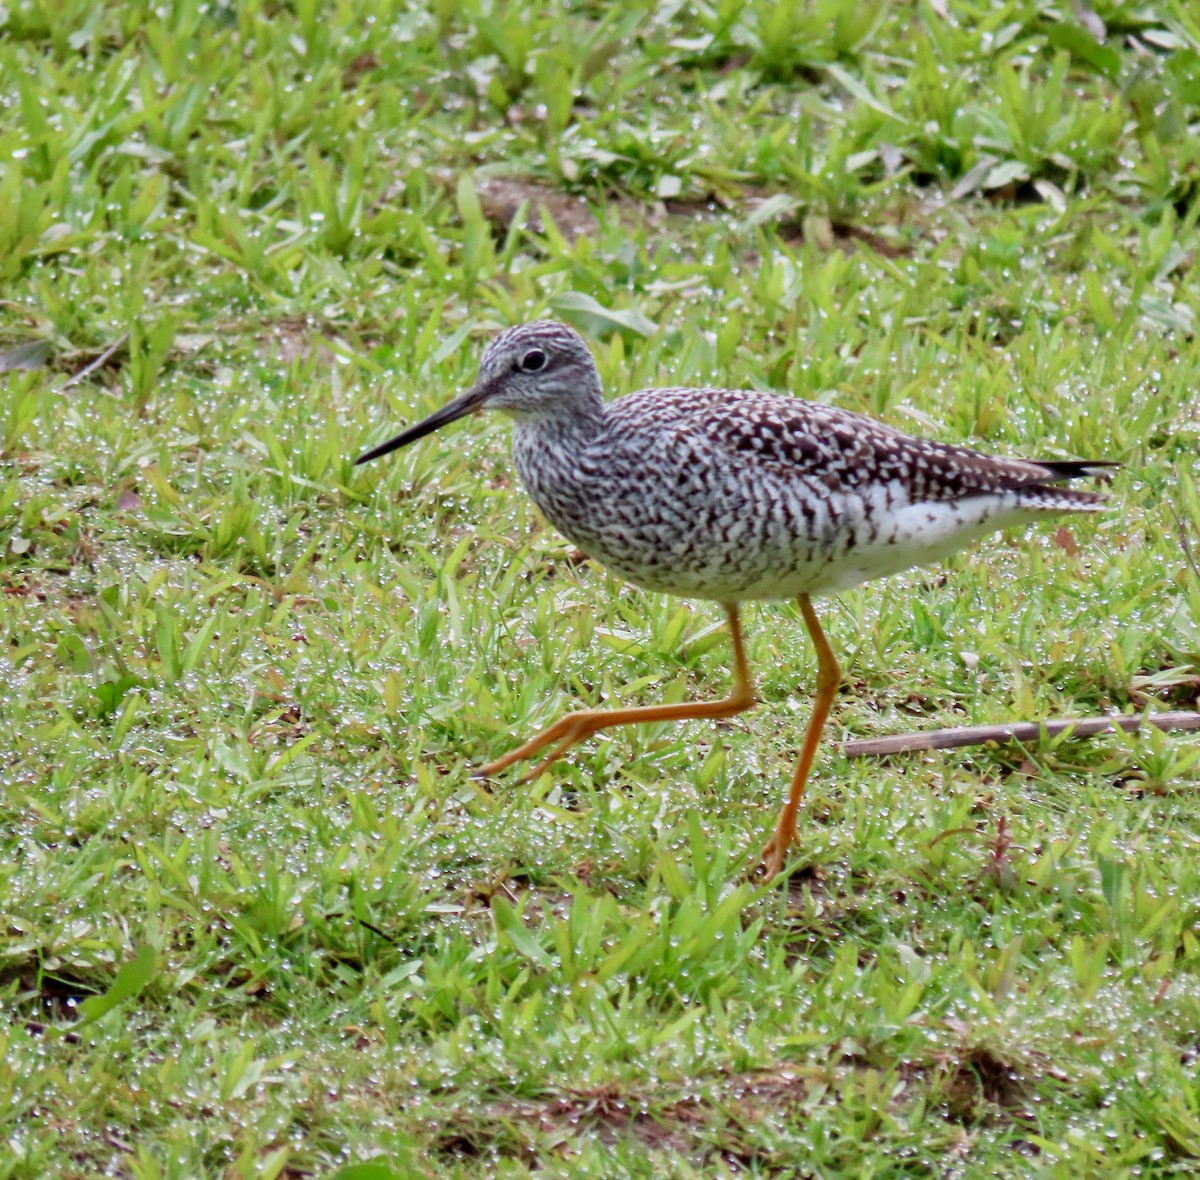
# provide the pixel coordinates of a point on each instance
(734, 495)
(731, 495)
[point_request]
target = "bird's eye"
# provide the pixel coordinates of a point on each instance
(533, 360)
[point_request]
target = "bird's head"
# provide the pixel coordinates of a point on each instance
(538, 371)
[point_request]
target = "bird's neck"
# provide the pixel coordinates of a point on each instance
(551, 452)
(562, 431)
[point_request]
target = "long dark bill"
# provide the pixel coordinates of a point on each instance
(460, 407)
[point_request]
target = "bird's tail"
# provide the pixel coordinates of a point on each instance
(1060, 470)
(1048, 494)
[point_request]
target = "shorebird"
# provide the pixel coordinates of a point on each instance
(734, 495)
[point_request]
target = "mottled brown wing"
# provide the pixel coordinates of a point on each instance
(848, 451)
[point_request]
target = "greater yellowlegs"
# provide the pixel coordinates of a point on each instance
(734, 495)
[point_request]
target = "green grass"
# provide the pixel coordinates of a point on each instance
(258, 921)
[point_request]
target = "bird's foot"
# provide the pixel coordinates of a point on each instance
(561, 736)
(491, 769)
(770, 863)
(773, 856)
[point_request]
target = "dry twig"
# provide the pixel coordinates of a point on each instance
(1021, 731)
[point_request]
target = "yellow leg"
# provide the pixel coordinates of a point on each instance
(574, 727)
(828, 678)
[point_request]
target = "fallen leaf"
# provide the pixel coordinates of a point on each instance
(1065, 540)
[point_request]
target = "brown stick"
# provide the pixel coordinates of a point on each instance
(100, 361)
(1020, 731)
